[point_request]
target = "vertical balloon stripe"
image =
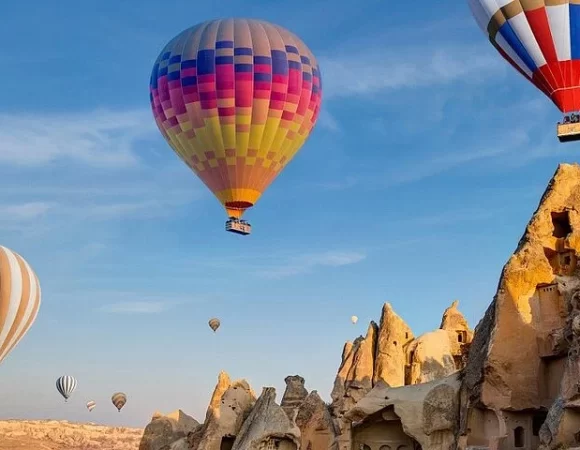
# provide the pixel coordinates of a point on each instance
(249, 97)
(66, 385)
(575, 30)
(19, 299)
(559, 18)
(541, 38)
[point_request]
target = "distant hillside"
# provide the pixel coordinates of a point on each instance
(63, 435)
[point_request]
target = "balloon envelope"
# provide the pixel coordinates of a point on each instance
(540, 40)
(91, 405)
(19, 299)
(66, 385)
(119, 399)
(214, 324)
(236, 99)
(354, 319)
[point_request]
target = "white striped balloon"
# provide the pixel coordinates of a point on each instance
(19, 299)
(66, 385)
(91, 405)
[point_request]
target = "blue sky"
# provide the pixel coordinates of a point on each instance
(428, 159)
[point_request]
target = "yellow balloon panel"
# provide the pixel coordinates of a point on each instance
(236, 99)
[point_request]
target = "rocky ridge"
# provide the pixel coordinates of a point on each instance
(63, 435)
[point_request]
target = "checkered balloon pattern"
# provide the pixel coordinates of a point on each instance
(236, 99)
(540, 39)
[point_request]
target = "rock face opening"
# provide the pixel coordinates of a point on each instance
(537, 422)
(519, 437)
(280, 444)
(381, 431)
(563, 261)
(227, 443)
(561, 224)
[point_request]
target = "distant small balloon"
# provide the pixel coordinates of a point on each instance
(354, 319)
(66, 385)
(91, 405)
(214, 324)
(119, 399)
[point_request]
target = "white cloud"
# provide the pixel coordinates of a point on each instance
(39, 218)
(131, 302)
(296, 265)
(97, 138)
(379, 70)
(24, 211)
(144, 307)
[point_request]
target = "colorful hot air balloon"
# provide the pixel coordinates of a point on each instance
(91, 405)
(66, 385)
(214, 324)
(19, 299)
(119, 399)
(540, 40)
(236, 99)
(354, 319)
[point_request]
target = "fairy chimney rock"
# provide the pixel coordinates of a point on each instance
(294, 394)
(393, 335)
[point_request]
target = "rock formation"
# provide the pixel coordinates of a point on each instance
(521, 381)
(355, 374)
(315, 423)
(402, 417)
(430, 358)
(230, 405)
(514, 383)
(294, 395)
(390, 356)
(394, 334)
(268, 427)
(165, 430)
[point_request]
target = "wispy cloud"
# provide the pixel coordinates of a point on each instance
(131, 302)
(144, 184)
(99, 138)
(37, 218)
(144, 307)
(306, 263)
(455, 217)
(24, 211)
(328, 121)
(282, 264)
(378, 70)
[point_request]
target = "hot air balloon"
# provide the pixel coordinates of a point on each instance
(354, 319)
(19, 299)
(214, 324)
(119, 399)
(540, 40)
(66, 385)
(91, 405)
(236, 99)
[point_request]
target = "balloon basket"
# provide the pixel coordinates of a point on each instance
(238, 226)
(568, 131)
